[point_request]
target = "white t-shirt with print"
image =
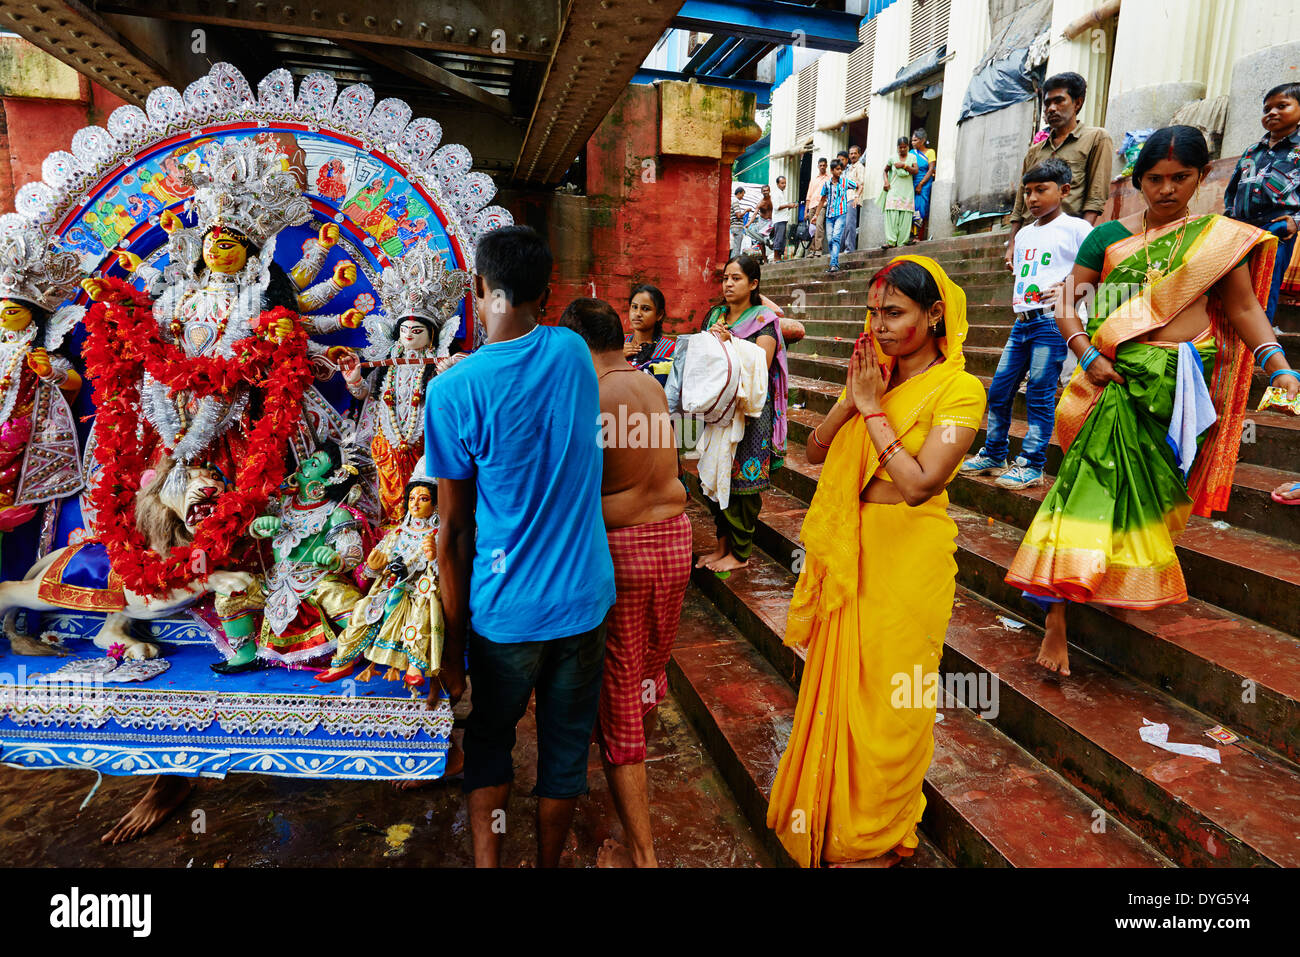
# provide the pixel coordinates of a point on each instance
(1045, 256)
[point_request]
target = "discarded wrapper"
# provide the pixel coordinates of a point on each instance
(1221, 734)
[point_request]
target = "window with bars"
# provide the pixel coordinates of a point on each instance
(806, 101)
(857, 85)
(929, 26)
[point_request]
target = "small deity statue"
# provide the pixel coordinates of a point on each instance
(308, 595)
(39, 458)
(398, 623)
(220, 277)
(421, 298)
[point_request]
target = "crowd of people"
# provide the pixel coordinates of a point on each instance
(1163, 309)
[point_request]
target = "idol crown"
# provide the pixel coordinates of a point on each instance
(420, 284)
(31, 269)
(247, 191)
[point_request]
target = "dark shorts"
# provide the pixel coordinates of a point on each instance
(778, 237)
(566, 675)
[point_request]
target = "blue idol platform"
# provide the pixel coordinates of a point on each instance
(190, 721)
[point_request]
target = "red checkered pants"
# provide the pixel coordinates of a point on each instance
(652, 566)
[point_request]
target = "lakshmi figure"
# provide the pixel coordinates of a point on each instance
(399, 622)
(308, 595)
(220, 277)
(420, 296)
(39, 459)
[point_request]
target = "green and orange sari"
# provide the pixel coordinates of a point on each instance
(1105, 531)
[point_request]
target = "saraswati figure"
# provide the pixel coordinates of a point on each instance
(220, 277)
(39, 460)
(420, 296)
(399, 622)
(308, 595)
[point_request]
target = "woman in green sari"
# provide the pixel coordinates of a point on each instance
(1151, 420)
(899, 197)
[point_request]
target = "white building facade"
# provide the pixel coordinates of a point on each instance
(1209, 61)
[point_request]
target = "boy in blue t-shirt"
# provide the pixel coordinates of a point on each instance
(513, 435)
(1044, 257)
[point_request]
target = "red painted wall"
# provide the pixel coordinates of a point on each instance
(660, 221)
(34, 128)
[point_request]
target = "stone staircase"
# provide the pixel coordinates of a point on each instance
(1058, 776)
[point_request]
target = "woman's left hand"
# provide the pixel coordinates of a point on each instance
(867, 378)
(1290, 384)
(721, 331)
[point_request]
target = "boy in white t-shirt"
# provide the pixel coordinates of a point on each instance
(1044, 256)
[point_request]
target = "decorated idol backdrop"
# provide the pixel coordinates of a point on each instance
(350, 214)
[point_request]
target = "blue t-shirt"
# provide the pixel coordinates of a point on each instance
(522, 418)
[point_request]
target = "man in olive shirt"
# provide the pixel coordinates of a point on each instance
(1087, 150)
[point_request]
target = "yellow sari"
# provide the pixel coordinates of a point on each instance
(870, 610)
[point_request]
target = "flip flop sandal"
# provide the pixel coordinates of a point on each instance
(1286, 501)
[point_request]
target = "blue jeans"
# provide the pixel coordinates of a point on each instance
(849, 241)
(1284, 251)
(835, 230)
(1034, 347)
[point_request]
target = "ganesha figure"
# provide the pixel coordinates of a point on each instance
(39, 460)
(399, 623)
(421, 297)
(307, 597)
(220, 278)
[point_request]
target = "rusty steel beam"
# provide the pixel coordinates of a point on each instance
(417, 68)
(505, 28)
(602, 45)
(77, 36)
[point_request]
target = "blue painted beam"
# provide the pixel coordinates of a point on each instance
(744, 54)
(713, 59)
(763, 91)
(705, 51)
(773, 22)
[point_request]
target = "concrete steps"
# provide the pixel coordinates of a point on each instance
(1028, 786)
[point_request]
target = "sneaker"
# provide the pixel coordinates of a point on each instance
(983, 465)
(1020, 475)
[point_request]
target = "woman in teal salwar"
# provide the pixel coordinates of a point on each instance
(1152, 418)
(761, 450)
(898, 199)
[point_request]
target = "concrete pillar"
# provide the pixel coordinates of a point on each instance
(889, 114)
(969, 29)
(1088, 55)
(1161, 62)
(1267, 52)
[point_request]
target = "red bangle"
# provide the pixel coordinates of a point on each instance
(818, 440)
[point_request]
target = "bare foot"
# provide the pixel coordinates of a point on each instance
(1053, 653)
(613, 854)
(165, 794)
(704, 560)
(1287, 492)
(455, 765)
(726, 563)
(888, 859)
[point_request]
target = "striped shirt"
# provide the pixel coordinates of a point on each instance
(838, 191)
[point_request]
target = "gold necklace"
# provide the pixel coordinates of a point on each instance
(1154, 272)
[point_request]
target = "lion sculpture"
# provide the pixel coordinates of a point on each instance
(166, 520)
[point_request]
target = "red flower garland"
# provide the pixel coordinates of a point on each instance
(122, 344)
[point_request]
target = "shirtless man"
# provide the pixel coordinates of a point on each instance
(644, 506)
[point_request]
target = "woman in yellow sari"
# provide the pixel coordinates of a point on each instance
(1152, 418)
(875, 594)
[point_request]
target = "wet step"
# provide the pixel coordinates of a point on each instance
(1262, 652)
(990, 803)
(1242, 812)
(742, 710)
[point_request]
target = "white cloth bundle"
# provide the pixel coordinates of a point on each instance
(717, 444)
